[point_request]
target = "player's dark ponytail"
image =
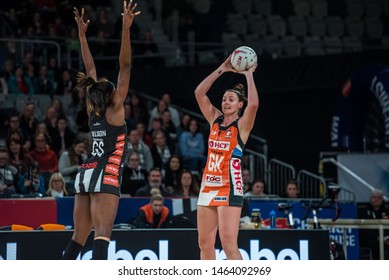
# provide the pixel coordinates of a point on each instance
(98, 93)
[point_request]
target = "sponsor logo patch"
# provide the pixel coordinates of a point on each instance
(89, 165)
(112, 169)
(114, 159)
(236, 174)
(220, 198)
(213, 180)
(219, 145)
(111, 180)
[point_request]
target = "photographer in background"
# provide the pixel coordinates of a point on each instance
(31, 182)
(369, 237)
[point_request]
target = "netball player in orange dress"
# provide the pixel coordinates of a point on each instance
(221, 195)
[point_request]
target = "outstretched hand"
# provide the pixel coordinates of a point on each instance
(81, 24)
(129, 14)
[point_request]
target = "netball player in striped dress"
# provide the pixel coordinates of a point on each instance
(97, 183)
(221, 195)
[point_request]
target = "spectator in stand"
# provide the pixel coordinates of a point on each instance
(148, 48)
(73, 46)
(187, 185)
(19, 83)
(157, 111)
(368, 237)
(40, 29)
(139, 108)
(246, 178)
(153, 214)
(63, 136)
(41, 127)
(44, 85)
(57, 104)
(291, 189)
(101, 47)
(28, 58)
(71, 159)
(44, 156)
(156, 126)
(8, 174)
(172, 172)
(9, 69)
(3, 86)
(76, 106)
(154, 182)
(32, 182)
(136, 145)
(17, 156)
(57, 186)
(65, 84)
(104, 23)
(28, 121)
(175, 114)
(144, 137)
(51, 117)
(160, 150)
(129, 118)
(258, 188)
(14, 126)
(54, 71)
(30, 75)
(168, 125)
(134, 176)
(184, 125)
(192, 148)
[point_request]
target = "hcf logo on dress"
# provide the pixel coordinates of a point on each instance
(219, 145)
(237, 182)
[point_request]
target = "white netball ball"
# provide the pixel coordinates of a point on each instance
(243, 58)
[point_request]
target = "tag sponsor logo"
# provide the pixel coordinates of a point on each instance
(121, 137)
(112, 169)
(119, 152)
(120, 144)
(114, 159)
(111, 180)
(89, 165)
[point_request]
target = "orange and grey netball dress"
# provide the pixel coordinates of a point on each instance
(222, 183)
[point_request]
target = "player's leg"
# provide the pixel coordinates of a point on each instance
(82, 226)
(207, 229)
(229, 220)
(103, 209)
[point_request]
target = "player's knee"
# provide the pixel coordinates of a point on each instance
(228, 240)
(206, 243)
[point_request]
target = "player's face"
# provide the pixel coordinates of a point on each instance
(230, 103)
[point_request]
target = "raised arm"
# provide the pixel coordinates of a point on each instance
(209, 111)
(246, 122)
(125, 53)
(85, 51)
